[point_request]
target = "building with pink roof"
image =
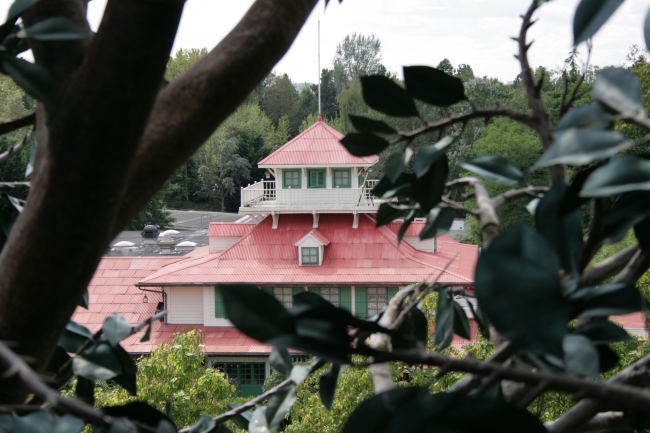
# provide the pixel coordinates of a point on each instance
(311, 229)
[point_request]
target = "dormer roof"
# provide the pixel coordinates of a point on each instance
(317, 236)
(318, 145)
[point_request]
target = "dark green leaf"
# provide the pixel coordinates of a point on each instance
(518, 287)
(299, 373)
(642, 233)
(9, 211)
(433, 86)
(116, 328)
(430, 154)
(281, 361)
(84, 300)
(429, 188)
(53, 29)
(259, 423)
(36, 422)
(564, 234)
(383, 94)
(494, 168)
(461, 324)
(364, 144)
(582, 146)
(140, 412)
(256, 313)
(609, 300)
(6, 423)
(366, 124)
(205, 424)
(572, 200)
(580, 355)
(57, 360)
(68, 424)
(602, 332)
(243, 419)
(444, 332)
(74, 336)
(85, 390)
(166, 427)
(627, 173)
(33, 78)
(147, 334)
(607, 358)
(401, 188)
(397, 163)
(99, 362)
(590, 16)
(585, 116)
(628, 210)
(438, 223)
(129, 370)
(327, 385)
(374, 414)
(386, 214)
(412, 332)
(18, 7)
(279, 405)
(619, 90)
(405, 225)
(481, 320)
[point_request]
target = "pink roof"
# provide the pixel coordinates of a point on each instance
(413, 230)
(317, 145)
(230, 229)
(366, 255)
(112, 290)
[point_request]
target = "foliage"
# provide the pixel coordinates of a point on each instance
(357, 56)
(154, 213)
(177, 373)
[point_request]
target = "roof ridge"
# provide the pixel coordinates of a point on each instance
(382, 230)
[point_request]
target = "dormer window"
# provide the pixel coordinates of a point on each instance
(309, 255)
(311, 248)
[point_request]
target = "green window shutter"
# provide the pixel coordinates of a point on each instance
(390, 292)
(345, 298)
(315, 290)
(219, 307)
(361, 302)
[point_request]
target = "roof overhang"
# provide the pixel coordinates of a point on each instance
(294, 166)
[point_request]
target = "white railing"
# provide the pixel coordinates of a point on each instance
(264, 193)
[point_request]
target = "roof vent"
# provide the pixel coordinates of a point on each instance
(130, 251)
(186, 246)
(149, 234)
(124, 244)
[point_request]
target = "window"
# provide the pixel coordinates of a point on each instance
(341, 178)
(248, 376)
(338, 296)
(316, 178)
(219, 307)
(309, 255)
(291, 178)
(284, 294)
(370, 301)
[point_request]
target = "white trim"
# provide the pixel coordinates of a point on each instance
(316, 218)
(353, 305)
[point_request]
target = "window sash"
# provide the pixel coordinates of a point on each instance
(309, 255)
(284, 295)
(291, 178)
(341, 178)
(377, 300)
(316, 178)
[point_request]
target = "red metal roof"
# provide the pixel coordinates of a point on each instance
(413, 230)
(230, 229)
(366, 255)
(317, 145)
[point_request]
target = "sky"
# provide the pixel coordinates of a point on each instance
(419, 32)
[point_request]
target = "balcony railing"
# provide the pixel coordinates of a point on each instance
(264, 193)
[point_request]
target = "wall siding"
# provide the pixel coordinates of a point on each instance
(185, 305)
(220, 243)
(428, 245)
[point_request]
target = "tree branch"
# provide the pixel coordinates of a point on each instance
(607, 268)
(16, 148)
(605, 421)
(590, 246)
(515, 194)
(540, 119)
(191, 108)
(634, 269)
(609, 392)
(487, 213)
(14, 185)
(13, 123)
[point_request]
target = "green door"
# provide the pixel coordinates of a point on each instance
(247, 376)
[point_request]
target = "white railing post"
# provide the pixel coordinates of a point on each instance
(241, 197)
(337, 196)
(289, 196)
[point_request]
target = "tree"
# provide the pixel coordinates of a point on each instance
(278, 96)
(329, 106)
(227, 171)
(446, 66)
(114, 137)
(154, 213)
(357, 56)
(305, 105)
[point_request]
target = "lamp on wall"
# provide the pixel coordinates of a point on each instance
(145, 299)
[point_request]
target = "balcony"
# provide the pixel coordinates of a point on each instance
(264, 196)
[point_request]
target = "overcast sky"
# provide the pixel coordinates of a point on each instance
(420, 32)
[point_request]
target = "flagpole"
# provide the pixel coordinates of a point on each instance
(319, 71)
